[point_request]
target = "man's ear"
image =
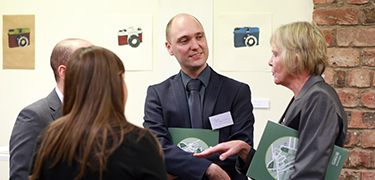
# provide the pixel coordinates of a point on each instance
(61, 70)
(168, 46)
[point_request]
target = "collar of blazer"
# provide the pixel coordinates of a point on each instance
(314, 78)
(54, 104)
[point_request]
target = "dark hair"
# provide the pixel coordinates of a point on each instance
(93, 123)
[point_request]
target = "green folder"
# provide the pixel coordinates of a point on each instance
(194, 140)
(274, 158)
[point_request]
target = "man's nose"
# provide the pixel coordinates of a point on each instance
(194, 44)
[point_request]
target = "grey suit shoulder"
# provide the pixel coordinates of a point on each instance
(30, 122)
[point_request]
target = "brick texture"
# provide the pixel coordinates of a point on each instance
(368, 16)
(341, 78)
(328, 75)
(368, 57)
(368, 99)
(361, 120)
(368, 139)
(352, 139)
(347, 174)
(360, 158)
(343, 57)
(349, 36)
(348, 97)
(357, 1)
(360, 78)
(368, 119)
(329, 36)
(368, 175)
(336, 16)
(323, 1)
(349, 29)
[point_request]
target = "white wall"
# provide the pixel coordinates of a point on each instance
(57, 20)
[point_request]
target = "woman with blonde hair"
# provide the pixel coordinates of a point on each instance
(315, 111)
(93, 139)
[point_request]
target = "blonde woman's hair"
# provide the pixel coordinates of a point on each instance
(305, 40)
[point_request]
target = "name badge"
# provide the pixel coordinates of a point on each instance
(221, 120)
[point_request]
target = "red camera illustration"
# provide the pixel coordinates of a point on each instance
(130, 36)
(19, 37)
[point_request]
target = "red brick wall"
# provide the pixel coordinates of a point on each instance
(349, 28)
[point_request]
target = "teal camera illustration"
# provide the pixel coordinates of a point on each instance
(246, 37)
(19, 37)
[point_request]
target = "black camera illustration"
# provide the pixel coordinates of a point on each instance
(130, 36)
(246, 36)
(19, 37)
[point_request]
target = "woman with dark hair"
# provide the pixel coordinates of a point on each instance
(315, 111)
(93, 139)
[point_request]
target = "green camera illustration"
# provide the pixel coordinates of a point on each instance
(19, 37)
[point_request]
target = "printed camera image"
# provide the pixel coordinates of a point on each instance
(19, 37)
(130, 36)
(246, 36)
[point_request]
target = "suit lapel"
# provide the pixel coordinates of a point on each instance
(211, 95)
(181, 104)
(54, 104)
(57, 113)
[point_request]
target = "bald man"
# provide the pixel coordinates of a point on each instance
(35, 117)
(167, 106)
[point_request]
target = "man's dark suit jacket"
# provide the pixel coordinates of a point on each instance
(30, 122)
(167, 106)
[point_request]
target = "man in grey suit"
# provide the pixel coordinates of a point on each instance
(35, 117)
(167, 104)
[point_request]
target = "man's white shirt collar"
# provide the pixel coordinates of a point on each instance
(61, 96)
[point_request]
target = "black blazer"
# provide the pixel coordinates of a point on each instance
(137, 158)
(30, 122)
(166, 106)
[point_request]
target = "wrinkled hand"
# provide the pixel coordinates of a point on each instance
(227, 149)
(214, 172)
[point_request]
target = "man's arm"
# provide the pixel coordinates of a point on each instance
(227, 149)
(22, 143)
(242, 114)
(235, 97)
(230, 148)
(178, 162)
(243, 127)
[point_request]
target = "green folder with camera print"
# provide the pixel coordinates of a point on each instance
(274, 158)
(194, 140)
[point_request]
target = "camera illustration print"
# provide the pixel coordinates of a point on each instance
(246, 36)
(19, 37)
(130, 36)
